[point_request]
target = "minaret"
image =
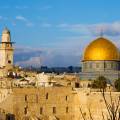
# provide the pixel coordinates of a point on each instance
(6, 50)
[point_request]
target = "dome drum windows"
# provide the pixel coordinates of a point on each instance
(92, 66)
(97, 65)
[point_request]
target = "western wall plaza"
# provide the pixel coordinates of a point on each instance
(87, 95)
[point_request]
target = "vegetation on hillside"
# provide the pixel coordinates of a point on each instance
(100, 82)
(117, 84)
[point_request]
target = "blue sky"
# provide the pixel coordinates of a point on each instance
(59, 28)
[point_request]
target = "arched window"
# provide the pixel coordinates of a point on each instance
(97, 65)
(90, 65)
(85, 65)
(54, 110)
(9, 61)
(41, 110)
(25, 98)
(112, 66)
(66, 98)
(46, 95)
(66, 109)
(25, 110)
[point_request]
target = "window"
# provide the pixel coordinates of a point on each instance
(9, 61)
(41, 110)
(10, 116)
(25, 98)
(77, 85)
(54, 110)
(85, 65)
(90, 65)
(46, 95)
(97, 65)
(112, 65)
(66, 98)
(7, 45)
(25, 110)
(66, 109)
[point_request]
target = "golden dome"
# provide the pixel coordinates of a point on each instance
(101, 49)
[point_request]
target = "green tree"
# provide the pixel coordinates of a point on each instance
(100, 82)
(117, 84)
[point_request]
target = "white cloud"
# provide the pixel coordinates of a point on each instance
(21, 7)
(25, 49)
(28, 56)
(33, 61)
(24, 19)
(29, 24)
(47, 25)
(21, 18)
(109, 29)
(77, 28)
(68, 49)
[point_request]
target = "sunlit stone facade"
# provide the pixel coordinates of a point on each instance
(6, 50)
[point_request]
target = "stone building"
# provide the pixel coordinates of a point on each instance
(101, 58)
(6, 53)
(44, 80)
(61, 101)
(6, 50)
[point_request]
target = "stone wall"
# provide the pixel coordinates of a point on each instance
(45, 102)
(56, 103)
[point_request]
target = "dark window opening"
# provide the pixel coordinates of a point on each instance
(66, 109)
(10, 116)
(25, 98)
(66, 98)
(9, 61)
(77, 85)
(41, 110)
(46, 95)
(25, 110)
(54, 110)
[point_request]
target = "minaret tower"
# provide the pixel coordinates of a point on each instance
(6, 50)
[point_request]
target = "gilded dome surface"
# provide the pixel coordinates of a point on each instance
(101, 49)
